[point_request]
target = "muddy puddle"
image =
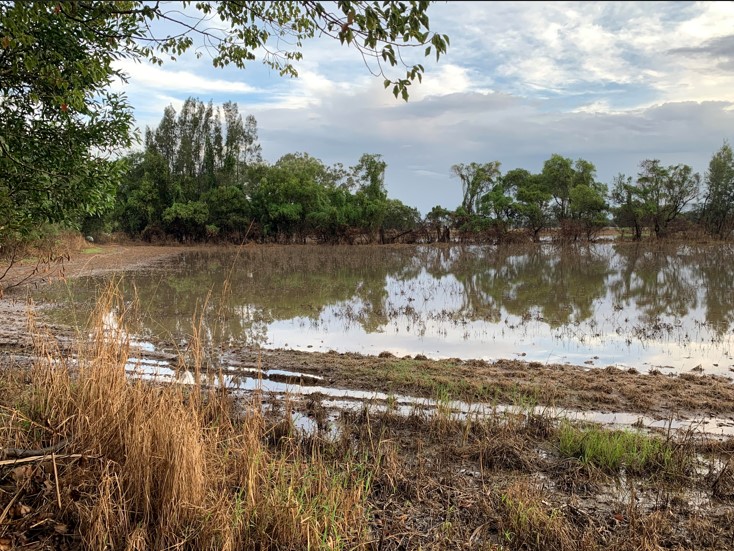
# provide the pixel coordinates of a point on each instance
(282, 384)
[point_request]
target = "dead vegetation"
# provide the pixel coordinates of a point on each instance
(96, 460)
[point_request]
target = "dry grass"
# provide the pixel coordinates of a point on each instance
(140, 465)
(174, 467)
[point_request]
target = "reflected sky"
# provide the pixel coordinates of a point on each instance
(643, 306)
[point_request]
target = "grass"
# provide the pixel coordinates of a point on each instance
(527, 523)
(155, 466)
(614, 450)
(92, 250)
(168, 466)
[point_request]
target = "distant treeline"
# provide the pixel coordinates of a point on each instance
(201, 177)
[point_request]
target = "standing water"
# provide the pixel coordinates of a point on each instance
(643, 306)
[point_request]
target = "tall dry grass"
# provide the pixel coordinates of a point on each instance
(168, 466)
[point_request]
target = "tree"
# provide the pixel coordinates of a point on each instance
(400, 217)
(500, 206)
(558, 175)
(371, 196)
(439, 221)
(717, 213)
(532, 199)
(187, 220)
(60, 123)
(589, 208)
(476, 180)
(629, 211)
(665, 192)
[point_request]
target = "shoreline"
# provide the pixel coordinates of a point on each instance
(604, 389)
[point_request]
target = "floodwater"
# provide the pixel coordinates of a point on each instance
(630, 305)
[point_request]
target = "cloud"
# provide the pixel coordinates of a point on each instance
(147, 75)
(720, 50)
(420, 140)
(611, 82)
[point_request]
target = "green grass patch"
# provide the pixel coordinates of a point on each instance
(613, 450)
(92, 250)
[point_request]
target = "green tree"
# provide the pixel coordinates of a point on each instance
(533, 200)
(476, 180)
(439, 221)
(500, 205)
(558, 175)
(187, 220)
(59, 121)
(144, 193)
(371, 196)
(292, 196)
(717, 213)
(579, 201)
(229, 211)
(630, 210)
(400, 217)
(589, 208)
(665, 192)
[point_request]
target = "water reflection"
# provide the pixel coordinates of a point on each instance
(623, 304)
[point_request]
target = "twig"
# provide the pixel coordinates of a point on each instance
(56, 479)
(41, 458)
(10, 504)
(20, 453)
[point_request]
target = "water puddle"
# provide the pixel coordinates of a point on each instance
(281, 383)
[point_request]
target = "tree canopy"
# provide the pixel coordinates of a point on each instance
(61, 125)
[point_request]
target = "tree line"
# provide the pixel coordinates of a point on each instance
(201, 176)
(567, 198)
(62, 123)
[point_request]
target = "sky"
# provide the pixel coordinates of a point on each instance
(613, 83)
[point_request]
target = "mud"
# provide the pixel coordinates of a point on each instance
(656, 394)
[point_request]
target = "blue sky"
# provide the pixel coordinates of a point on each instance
(610, 82)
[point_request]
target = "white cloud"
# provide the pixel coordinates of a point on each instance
(154, 77)
(612, 82)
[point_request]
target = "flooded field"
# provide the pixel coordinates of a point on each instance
(242, 360)
(669, 308)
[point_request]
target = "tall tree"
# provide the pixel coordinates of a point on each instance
(533, 200)
(371, 195)
(717, 213)
(629, 210)
(665, 192)
(60, 121)
(558, 176)
(476, 180)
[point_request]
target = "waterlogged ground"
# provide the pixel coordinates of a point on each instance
(476, 360)
(244, 312)
(647, 307)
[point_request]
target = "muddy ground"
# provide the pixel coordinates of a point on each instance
(656, 394)
(442, 483)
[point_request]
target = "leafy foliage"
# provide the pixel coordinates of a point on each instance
(717, 213)
(60, 125)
